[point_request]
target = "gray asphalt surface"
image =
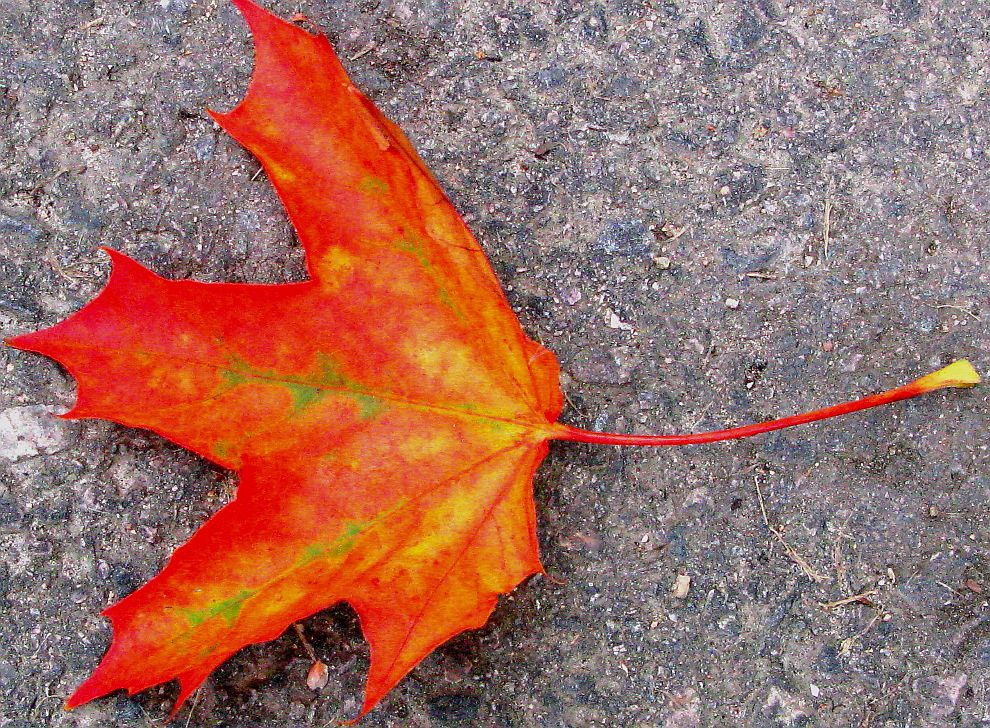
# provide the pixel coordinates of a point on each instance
(713, 212)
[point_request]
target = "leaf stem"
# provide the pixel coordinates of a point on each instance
(958, 374)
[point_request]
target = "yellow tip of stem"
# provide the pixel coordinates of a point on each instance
(958, 374)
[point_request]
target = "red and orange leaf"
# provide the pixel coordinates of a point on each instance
(385, 417)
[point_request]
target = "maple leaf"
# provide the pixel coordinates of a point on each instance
(384, 417)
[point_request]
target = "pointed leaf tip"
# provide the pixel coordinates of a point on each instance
(261, 21)
(249, 9)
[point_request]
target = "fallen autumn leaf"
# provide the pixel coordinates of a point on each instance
(385, 417)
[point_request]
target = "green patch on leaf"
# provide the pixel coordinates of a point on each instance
(222, 449)
(330, 373)
(303, 395)
(229, 609)
(370, 406)
(415, 249)
(372, 185)
(447, 300)
(343, 543)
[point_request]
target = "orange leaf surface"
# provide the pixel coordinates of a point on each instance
(385, 417)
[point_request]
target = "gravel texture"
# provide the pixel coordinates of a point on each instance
(714, 212)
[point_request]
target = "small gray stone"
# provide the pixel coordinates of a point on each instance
(204, 148)
(248, 220)
(180, 7)
(549, 78)
(624, 237)
(30, 431)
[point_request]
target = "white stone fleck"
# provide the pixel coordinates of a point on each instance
(31, 430)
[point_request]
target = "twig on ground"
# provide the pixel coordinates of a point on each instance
(845, 647)
(861, 598)
(310, 652)
(827, 223)
(788, 549)
(363, 52)
(965, 309)
(950, 588)
(192, 708)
